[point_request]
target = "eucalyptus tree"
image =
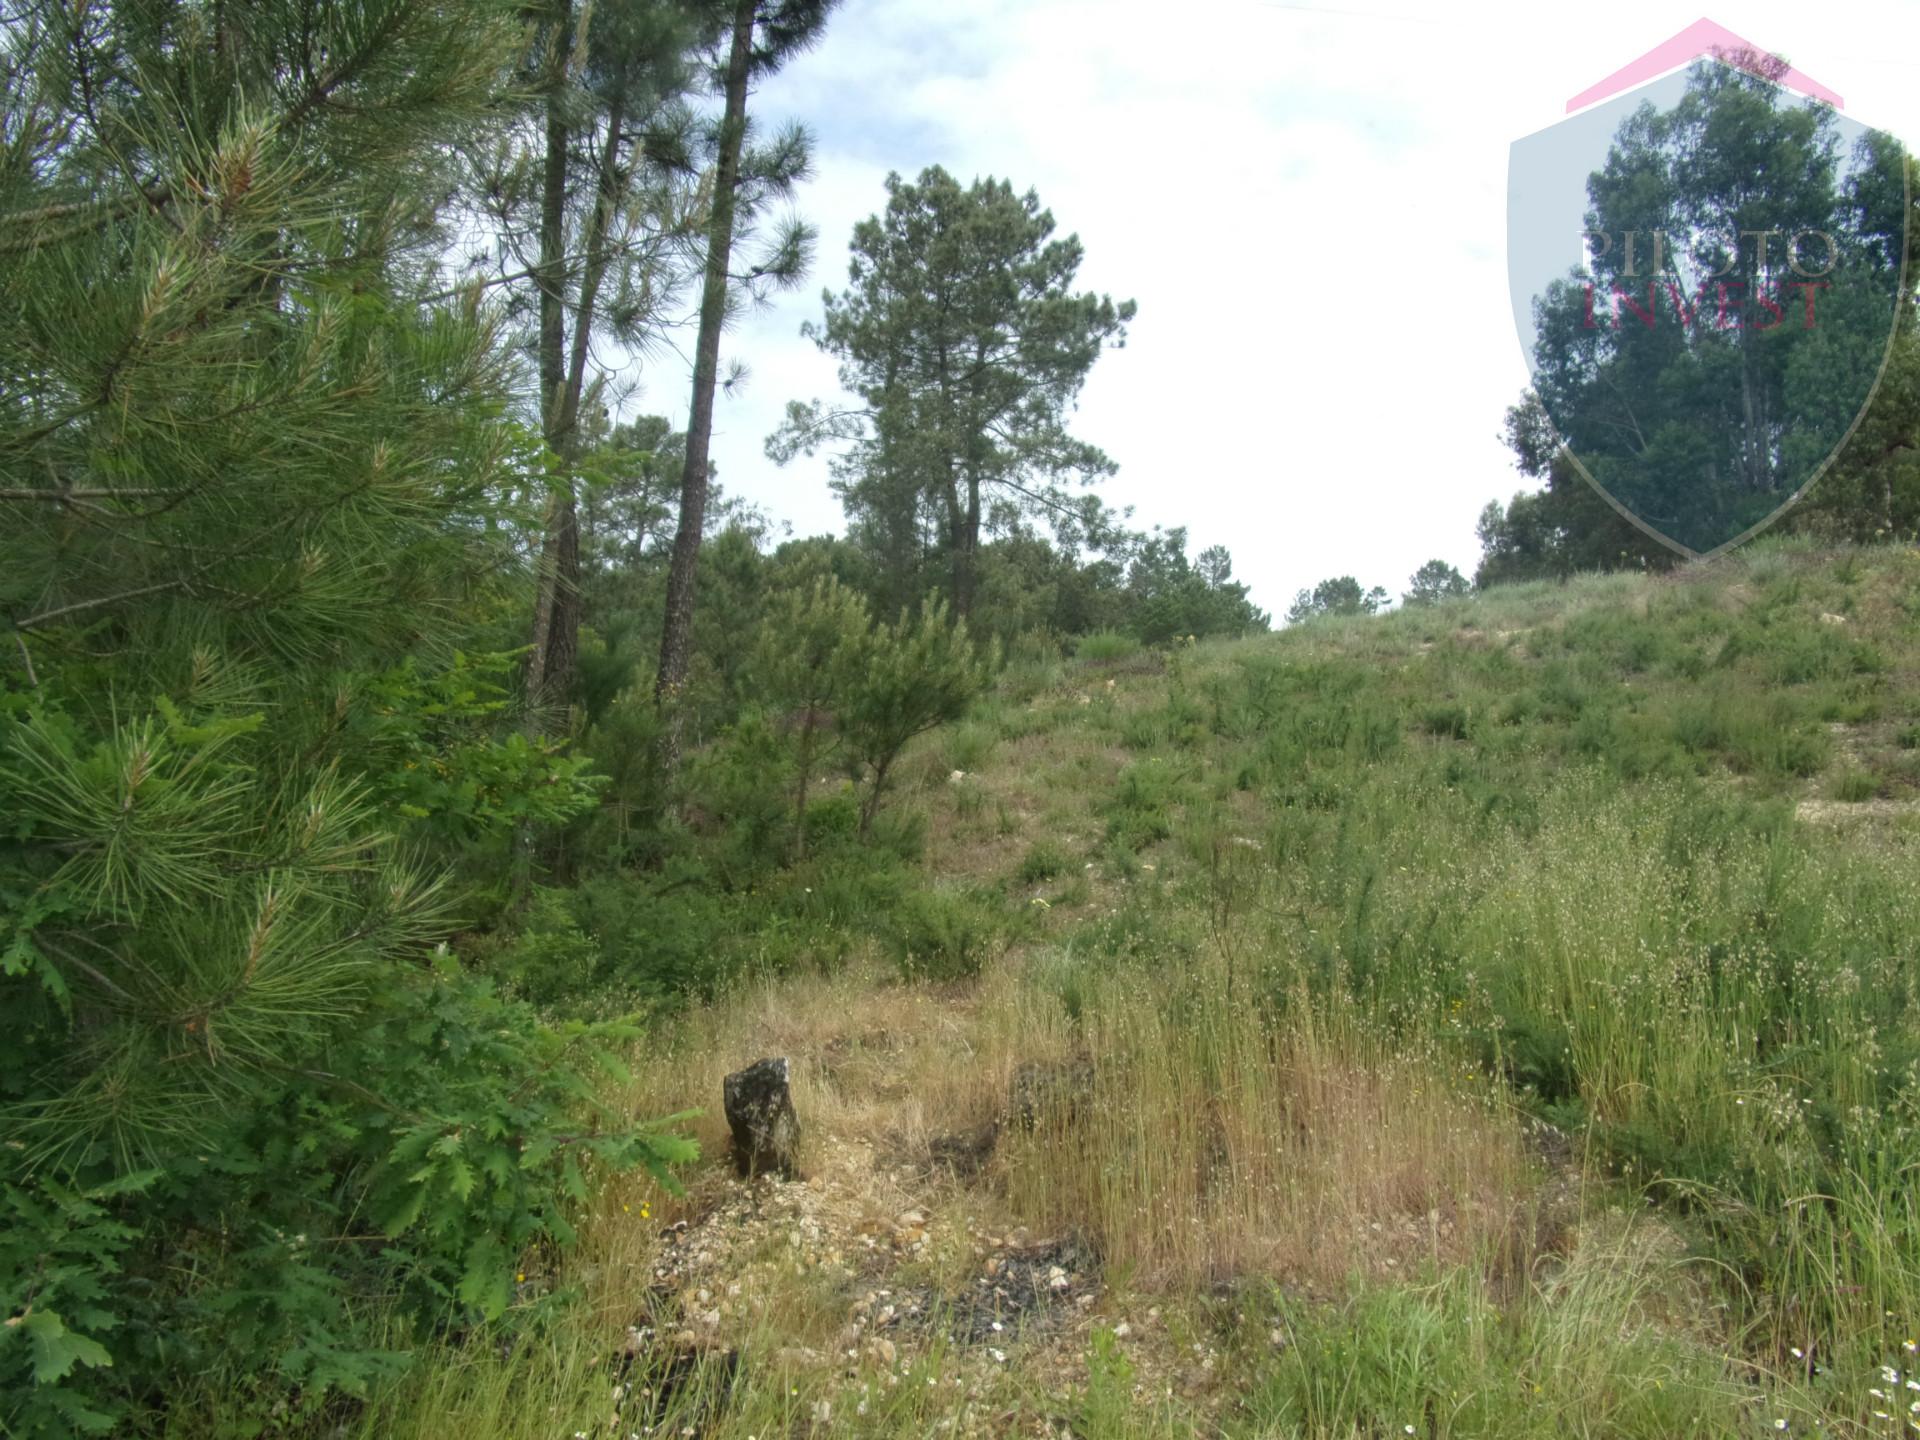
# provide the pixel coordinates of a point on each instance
(1733, 319)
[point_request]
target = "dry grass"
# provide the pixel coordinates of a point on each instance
(1214, 1142)
(1221, 1143)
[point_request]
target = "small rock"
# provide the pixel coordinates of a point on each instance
(1122, 1330)
(881, 1353)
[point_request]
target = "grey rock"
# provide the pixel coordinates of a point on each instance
(759, 1106)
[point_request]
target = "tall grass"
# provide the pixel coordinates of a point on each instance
(1454, 1030)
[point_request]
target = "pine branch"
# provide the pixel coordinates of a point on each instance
(34, 621)
(61, 497)
(153, 197)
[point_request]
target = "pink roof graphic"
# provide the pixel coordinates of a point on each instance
(1703, 37)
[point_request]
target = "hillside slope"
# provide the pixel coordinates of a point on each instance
(1493, 1019)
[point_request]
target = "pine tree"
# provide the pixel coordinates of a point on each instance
(1433, 582)
(252, 480)
(236, 461)
(964, 342)
(588, 201)
(762, 36)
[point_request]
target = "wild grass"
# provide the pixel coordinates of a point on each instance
(1459, 1031)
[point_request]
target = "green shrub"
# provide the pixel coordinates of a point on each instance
(1143, 729)
(970, 745)
(1106, 645)
(1042, 862)
(943, 934)
(550, 959)
(1853, 786)
(1140, 810)
(1447, 722)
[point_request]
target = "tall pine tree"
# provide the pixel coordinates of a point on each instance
(965, 343)
(762, 35)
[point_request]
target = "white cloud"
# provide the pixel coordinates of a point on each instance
(1309, 207)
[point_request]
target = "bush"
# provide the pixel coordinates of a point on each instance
(385, 1188)
(1106, 645)
(551, 959)
(1042, 862)
(970, 745)
(1140, 810)
(1854, 786)
(943, 934)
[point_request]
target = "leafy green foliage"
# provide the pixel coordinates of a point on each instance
(60, 1250)
(1565, 527)
(944, 935)
(1701, 420)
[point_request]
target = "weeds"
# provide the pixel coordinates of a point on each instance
(1469, 1040)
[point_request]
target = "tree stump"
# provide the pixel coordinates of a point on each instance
(759, 1108)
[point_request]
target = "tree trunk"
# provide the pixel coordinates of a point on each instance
(556, 621)
(870, 802)
(676, 634)
(800, 789)
(966, 547)
(551, 280)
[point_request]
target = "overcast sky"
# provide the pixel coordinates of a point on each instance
(1306, 200)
